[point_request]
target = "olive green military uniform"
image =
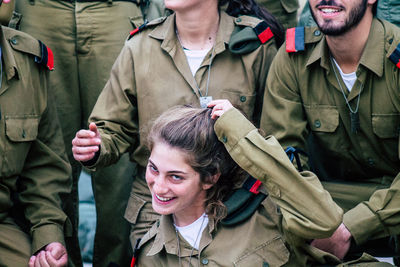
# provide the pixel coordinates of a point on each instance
(272, 236)
(86, 37)
(151, 75)
(285, 11)
(360, 170)
(34, 171)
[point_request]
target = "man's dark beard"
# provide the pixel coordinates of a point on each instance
(354, 18)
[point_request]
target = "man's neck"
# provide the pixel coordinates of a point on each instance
(197, 29)
(348, 48)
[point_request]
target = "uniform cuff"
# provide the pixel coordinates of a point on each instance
(45, 235)
(361, 222)
(231, 127)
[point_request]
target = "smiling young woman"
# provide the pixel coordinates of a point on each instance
(194, 181)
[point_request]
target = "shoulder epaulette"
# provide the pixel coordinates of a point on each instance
(138, 29)
(141, 241)
(263, 32)
(249, 35)
(145, 25)
(46, 58)
(135, 252)
(243, 202)
(295, 39)
(25, 43)
(395, 56)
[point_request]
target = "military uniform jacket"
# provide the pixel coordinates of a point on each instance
(271, 236)
(152, 74)
(32, 157)
(304, 97)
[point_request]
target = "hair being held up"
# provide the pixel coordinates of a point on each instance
(192, 131)
(251, 8)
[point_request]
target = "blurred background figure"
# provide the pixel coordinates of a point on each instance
(86, 37)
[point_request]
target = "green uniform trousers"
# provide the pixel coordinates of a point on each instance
(15, 245)
(86, 38)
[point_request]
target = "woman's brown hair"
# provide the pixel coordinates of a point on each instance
(192, 131)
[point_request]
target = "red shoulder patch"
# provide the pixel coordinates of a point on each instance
(295, 39)
(138, 29)
(263, 32)
(47, 56)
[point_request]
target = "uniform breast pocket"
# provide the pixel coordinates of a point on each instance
(323, 122)
(241, 100)
(387, 128)
(20, 132)
(271, 253)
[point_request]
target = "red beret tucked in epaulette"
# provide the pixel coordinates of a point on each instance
(395, 56)
(295, 39)
(263, 32)
(138, 29)
(47, 58)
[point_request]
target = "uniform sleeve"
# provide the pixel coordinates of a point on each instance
(296, 193)
(115, 112)
(283, 114)
(262, 71)
(44, 181)
(380, 215)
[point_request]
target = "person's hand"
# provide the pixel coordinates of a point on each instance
(86, 143)
(219, 106)
(53, 255)
(338, 244)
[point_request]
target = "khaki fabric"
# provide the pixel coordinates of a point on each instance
(152, 74)
(34, 171)
(285, 11)
(275, 235)
(15, 245)
(304, 99)
(86, 38)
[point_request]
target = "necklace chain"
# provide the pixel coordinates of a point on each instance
(344, 95)
(354, 117)
(209, 66)
(195, 241)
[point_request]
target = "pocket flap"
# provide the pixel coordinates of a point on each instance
(323, 118)
(22, 128)
(386, 125)
(135, 204)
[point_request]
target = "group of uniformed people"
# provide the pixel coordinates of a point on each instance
(330, 95)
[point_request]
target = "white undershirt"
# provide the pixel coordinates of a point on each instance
(349, 79)
(195, 58)
(192, 231)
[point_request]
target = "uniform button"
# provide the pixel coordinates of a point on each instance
(238, 20)
(23, 134)
(317, 33)
(371, 162)
(14, 41)
(242, 98)
(224, 139)
(390, 41)
(317, 124)
(204, 261)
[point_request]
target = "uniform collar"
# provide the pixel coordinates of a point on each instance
(166, 238)
(10, 65)
(372, 56)
(166, 33)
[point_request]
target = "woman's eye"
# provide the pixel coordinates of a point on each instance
(176, 177)
(152, 168)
